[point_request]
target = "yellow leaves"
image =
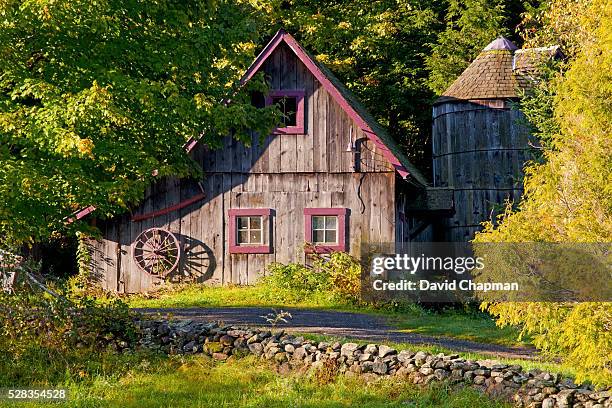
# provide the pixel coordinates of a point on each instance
(344, 25)
(203, 101)
(246, 47)
(26, 184)
(85, 147)
(336, 64)
(222, 63)
(310, 29)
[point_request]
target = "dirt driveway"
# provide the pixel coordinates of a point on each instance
(356, 326)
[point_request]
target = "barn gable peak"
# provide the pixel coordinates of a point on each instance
(344, 98)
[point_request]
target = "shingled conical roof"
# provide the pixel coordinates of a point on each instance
(490, 76)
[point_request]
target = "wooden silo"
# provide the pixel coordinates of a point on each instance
(480, 140)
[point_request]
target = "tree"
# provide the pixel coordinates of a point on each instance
(470, 26)
(96, 96)
(377, 49)
(568, 196)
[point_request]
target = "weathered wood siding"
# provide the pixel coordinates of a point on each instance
(286, 173)
(479, 151)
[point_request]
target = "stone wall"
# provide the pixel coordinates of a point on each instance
(534, 388)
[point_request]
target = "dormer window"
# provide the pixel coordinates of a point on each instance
(291, 104)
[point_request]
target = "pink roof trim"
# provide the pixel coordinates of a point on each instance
(283, 36)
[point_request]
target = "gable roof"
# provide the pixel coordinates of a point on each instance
(501, 71)
(376, 133)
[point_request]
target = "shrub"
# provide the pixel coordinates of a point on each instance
(47, 339)
(294, 281)
(344, 274)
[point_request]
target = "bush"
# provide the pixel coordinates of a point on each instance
(295, 278)
(48, 339)
(344, 275)
(335, 276)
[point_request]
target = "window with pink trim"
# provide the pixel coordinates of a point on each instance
(291, 104)
(325, 229)
(250, 230)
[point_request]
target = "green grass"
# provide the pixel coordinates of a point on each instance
(474, 326)
(226, 296)
(199, 382)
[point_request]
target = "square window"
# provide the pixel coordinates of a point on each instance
(291, 104)
(325, 229)
(250, 231)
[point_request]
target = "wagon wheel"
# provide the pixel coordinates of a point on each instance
(156, 251)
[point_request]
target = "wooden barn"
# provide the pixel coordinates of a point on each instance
(329, 179)
(330, 176)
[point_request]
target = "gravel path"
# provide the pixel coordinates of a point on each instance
(339, 324)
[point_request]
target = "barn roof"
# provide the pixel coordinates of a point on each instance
(500, 71)
(375, 132)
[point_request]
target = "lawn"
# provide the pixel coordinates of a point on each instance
(465, 325)
(200, 382)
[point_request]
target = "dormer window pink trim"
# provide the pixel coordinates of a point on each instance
(341, 225)
(266, 229)
(298, 94)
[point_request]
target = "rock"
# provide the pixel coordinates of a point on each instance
(366, 357)
(441, 374)
(379, 367)
(457, 374)
(499, 367)
(371, 349)
(299, 353)
(482, 372)
(441, 364)
(426, 370)
(404, 356)
(565, 398)
(479, 379)
(226, 340)
(256, 348)
(289, 348)
(549, 390)
(190, 347)
(323, 346)
(548, 403)
(213, 347)
(220, 356)
(384, 351)
(280, 357)
(347, 349)
(601, 394)
(367, 366)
